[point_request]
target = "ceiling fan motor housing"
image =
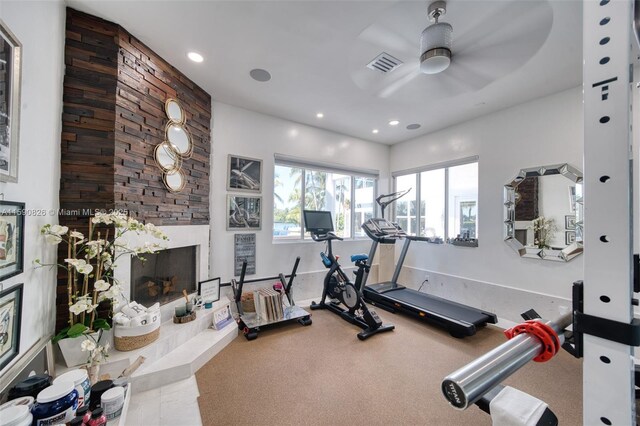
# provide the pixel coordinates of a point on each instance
(435, 48)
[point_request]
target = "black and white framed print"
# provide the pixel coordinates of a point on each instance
(11, 239)
(243, 213)
(10, 67)
(244, 174)
(209, 290)
(10, 316)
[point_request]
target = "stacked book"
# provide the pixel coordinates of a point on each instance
(269, 304)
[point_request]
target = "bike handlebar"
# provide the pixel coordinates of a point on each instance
(326, 237)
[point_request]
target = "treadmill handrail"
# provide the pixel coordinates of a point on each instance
(416, 238)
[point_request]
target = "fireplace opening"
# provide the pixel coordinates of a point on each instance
(162, 276)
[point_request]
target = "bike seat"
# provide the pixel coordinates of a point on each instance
(357, 257)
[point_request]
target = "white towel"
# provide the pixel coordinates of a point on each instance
(512, 407)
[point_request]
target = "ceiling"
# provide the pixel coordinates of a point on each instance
(504, 53)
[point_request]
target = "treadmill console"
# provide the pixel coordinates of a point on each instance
(382, 230)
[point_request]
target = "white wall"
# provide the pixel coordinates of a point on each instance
(541, 132)
(40, 28)
(246, 133)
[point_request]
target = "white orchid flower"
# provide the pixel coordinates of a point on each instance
(85, 269)
(77, 235)
(108, 264)
(59, 230)
(53, 239)
(88, 345)
(78, 307)
(102, 218)
(101, 285)
(72, 262)
(81, 265)
(120, 220)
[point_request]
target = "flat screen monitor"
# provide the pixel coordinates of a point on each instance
(318, 222)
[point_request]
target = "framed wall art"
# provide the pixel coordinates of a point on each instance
(244, 250)
(209, 290)
(10, 69)
(243, 213)
(10, 316)
(11, 239)
(244, 174)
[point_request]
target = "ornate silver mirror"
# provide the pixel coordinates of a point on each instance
(174, 181)
(174, 111)
(543, 212)
(178, 136)
(166, 157)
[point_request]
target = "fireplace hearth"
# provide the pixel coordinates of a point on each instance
(162, 276)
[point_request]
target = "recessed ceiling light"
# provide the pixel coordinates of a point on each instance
(258, 74)
(374, 131)
(319, 115)
(195, 57)
(394, 123)
(413, 126)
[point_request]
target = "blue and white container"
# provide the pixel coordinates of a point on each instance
(80, 379)
(56, 404)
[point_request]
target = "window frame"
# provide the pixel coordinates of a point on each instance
(305, 165)
(416, 171)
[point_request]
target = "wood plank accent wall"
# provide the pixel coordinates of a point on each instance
(145, 81)
(113, 116)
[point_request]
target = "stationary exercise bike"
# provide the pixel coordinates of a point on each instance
(338, 289)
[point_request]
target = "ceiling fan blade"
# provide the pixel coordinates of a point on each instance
(389, 40)
(399, 83)
(498, 21)
(506, 38)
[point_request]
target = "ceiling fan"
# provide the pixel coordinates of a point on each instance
(435, 43)
(481, 42)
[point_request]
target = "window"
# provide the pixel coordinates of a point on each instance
(406, 206)
(348, 195)
(364, 202)
(447, 196)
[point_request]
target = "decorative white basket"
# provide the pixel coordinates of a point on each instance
(136, 337)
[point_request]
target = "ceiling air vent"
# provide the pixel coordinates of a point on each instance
(384, 63)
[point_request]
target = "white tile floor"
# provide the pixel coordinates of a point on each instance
(171, 405)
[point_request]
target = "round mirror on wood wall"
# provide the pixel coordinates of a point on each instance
(174, 181)
(174, 111)
(167, 159)
(179, 137)
(177, 146)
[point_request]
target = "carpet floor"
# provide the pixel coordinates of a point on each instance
(323, 375)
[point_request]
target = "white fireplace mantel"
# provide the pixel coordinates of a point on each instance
(179, 236)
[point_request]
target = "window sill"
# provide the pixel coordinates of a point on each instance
(305, 241)
(470, 242)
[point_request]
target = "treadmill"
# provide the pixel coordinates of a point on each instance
(458, 319)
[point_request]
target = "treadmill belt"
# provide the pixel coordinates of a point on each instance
(437, 305)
